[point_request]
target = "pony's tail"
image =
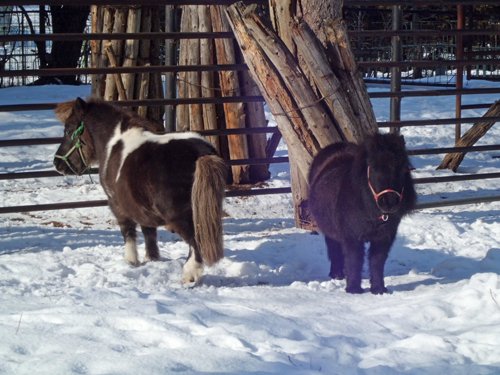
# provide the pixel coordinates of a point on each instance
(207, 197)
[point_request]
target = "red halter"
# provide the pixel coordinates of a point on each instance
(376, 196)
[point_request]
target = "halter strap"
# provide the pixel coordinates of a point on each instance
(376, 196)
(76, 146)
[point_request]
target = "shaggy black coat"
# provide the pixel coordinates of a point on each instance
(358, 194)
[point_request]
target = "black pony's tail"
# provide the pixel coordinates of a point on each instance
(207, 197)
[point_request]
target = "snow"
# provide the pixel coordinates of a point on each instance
(69, 304)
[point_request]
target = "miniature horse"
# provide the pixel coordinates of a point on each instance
(358, 194)
(151, 179)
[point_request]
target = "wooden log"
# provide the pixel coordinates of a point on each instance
(255, 118)
(131, 49)
(182, 111)
(272, 87)
(119, 26)
(207, 78)
(170, 52)
(156, 86)
(329, 86)
(122, 95)
(228, 80)
(282, 13)
(107, 27)
(348, 73)
(142, 91)
(318, 130)
(97, 60)
(194, 78)
(285, 88)
(477, 131)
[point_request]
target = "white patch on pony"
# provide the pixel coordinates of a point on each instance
(131, 252)
(111, 143)
(135, 137)
(192, 271)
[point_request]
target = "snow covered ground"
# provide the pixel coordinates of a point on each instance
(69, 304)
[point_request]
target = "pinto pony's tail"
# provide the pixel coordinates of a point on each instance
(207, 197)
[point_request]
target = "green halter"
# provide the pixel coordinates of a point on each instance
(76, 146)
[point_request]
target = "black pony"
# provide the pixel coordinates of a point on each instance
(358, 194)
(151, 179)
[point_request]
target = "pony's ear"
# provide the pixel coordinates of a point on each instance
(80, 105)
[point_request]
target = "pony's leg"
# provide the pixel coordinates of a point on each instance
(353, 264)
(193, 268)
(336, 258)
(379, 250)
(152, 251)
(127, 227)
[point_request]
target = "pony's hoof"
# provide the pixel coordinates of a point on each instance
(379, 290)
(337, 276)
(190, 281)
(354, 289)
(192, 272)
(192, 276)
(149, 258)
(133, 263)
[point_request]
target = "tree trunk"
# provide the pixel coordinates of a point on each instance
(452, 161)
(309, 79)
(66, 19)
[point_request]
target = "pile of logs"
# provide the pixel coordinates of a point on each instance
(205, 84)
(133, 52)
(306, 71)
(193, 84)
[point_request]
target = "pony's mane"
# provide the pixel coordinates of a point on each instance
(64, 110)
(390, 147)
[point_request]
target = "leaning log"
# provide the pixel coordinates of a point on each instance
(477, 131)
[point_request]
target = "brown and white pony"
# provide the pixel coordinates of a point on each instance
(174, 180)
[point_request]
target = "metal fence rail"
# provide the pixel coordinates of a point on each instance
(395, 93)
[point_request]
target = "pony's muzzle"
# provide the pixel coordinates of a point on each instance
(64, 166)
(389, 201)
